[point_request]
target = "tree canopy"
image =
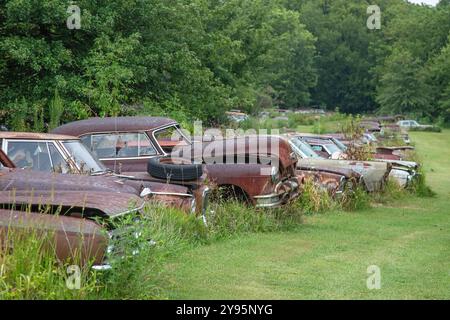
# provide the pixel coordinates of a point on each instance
(195, 59)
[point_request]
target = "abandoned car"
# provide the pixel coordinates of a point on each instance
(150, 142)
(404, 172)
(371, 175)
(65, 154)
(78, 214)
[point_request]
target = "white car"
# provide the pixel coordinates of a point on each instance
(412, 124)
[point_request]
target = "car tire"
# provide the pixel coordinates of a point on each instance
(161, 168)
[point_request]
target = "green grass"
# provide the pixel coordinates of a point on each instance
(327, 256)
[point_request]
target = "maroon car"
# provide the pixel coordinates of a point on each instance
(78, 214)
(137, 145)
(47, 153)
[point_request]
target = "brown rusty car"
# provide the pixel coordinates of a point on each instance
(48, 153)
(136, 145)
(77, 217)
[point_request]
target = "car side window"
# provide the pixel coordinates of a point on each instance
(30, 155)
(121, 145)
(59, 163)
(145, 146)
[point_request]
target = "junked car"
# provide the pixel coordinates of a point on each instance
(371, 175)
(330, 147)
(402, 171)
(334, 180)
(153, 151)
(408, 124)
(236, 116)
(47, 153)
(77, 215)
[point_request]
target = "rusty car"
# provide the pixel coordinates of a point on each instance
(370, 174)
(404, 172)
(77, 214)
(153, 150)
(65, 154)
(332, 179)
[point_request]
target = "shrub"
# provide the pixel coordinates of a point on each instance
(313, 198)
(230, 218)
(419, 187)
(355, 199)
(426, 129)
(391, 191)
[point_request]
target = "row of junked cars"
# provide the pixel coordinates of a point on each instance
(79, 179)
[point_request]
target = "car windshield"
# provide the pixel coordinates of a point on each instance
(305, 149)
(170, 137)
(83, 158)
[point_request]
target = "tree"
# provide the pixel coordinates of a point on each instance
(402, 87)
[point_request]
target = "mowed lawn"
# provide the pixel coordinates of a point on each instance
(327, 257)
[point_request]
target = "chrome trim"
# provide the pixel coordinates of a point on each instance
(177, 127)
(173, 194)
(205, 204)
(266, 196)
(128, 212)
(270, 205)
(102, 267)
(128, 158)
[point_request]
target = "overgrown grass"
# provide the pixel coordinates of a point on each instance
(314, 199)
(419, 186)
(328, 255)
(29, 269)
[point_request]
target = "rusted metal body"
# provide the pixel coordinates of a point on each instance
(66, 235)
(402, 171)
(260, 189)
(370, 125)
(327, 144)
(82, 177)
(333, 183)
(64, 205)
(5, 161)
(243, 162)
(371, 175)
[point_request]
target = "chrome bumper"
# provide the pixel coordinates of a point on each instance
(284, 192)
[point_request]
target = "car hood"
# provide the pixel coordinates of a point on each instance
(373, 173)
(27, 180)
(347, 172)
(405, 165)
(113, 205)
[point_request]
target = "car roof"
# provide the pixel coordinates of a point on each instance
(34, 136)
(113, 124)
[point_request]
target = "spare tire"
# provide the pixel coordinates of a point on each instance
(164, 168)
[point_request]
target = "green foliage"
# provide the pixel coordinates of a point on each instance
(427, 129)
(30, 270)
(314, 199)
(56, 109)
(419, 187)
(402, 87)
(204, 57)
